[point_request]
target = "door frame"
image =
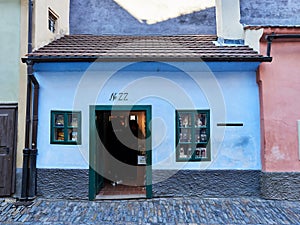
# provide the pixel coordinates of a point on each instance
(93, 176)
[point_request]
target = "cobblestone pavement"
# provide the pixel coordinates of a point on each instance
(190, 210)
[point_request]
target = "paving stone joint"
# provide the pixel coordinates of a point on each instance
(184, 210)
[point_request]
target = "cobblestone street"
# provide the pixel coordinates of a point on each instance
(191, 210)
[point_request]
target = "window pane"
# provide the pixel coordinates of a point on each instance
(51, 21)
(185, 120)
(72, 134)
(200, 135)
(59, 120)
(200, 153)
(73, 120)
(59, 134)
(185, 151)
(200, 120)
(185, 135)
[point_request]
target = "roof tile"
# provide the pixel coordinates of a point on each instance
(115, 48)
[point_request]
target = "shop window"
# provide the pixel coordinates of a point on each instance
(52, 20)
(192, 135)
(65, 127)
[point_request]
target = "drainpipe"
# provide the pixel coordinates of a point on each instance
(273, 36)
(30, 150)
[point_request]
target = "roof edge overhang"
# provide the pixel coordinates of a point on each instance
(146, 59)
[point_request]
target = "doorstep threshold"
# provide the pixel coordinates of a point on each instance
(119, 197)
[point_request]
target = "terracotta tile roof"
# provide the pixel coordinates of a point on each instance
(142, 48)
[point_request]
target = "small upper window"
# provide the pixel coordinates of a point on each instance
(52, 20)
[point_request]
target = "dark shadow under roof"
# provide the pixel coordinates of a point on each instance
(142, 48)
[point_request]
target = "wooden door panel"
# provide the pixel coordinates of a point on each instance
(3, 173)
(3, 129)
(7, 143)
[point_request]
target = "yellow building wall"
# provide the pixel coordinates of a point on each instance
(22, 82)
(41, 34)
(40, 37)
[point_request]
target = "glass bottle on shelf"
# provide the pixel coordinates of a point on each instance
(200, 120)
(59, 120)
(59, 134)
(182, 152)
(203, 136)
(72, 134)
(189, 153)
(185, 120)
(72, 120)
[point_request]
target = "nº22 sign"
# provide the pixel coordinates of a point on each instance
(118, 96)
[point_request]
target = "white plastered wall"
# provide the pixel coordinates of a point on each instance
(228, 20)
(252, 37)
(41, 34)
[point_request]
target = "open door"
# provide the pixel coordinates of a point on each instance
(120, 152)
(7, 150)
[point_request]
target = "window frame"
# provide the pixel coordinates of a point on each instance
(66, 127)
(198, 146)
(52, 20)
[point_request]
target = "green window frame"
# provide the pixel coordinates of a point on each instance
(65, 127)
(193, 135)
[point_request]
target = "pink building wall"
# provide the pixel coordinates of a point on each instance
(279, 83)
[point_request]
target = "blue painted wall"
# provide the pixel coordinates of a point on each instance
(228, 90)
(107, 17)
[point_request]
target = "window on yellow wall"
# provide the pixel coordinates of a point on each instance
(52, 20)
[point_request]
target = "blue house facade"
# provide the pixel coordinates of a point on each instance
(194, 101)
(196, 106)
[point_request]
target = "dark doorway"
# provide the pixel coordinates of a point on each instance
(121, 154)
(8, 133)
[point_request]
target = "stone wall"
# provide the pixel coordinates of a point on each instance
(209, 183)
(63, 183)
(74, 184)
(107, 17)
(270, 12)
(280, 185)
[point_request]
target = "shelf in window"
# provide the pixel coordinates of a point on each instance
(193, 134)
(184, 156)
(59, 127)
(66, 127)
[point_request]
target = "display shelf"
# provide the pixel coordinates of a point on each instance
(192, 135)
(65, 127)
